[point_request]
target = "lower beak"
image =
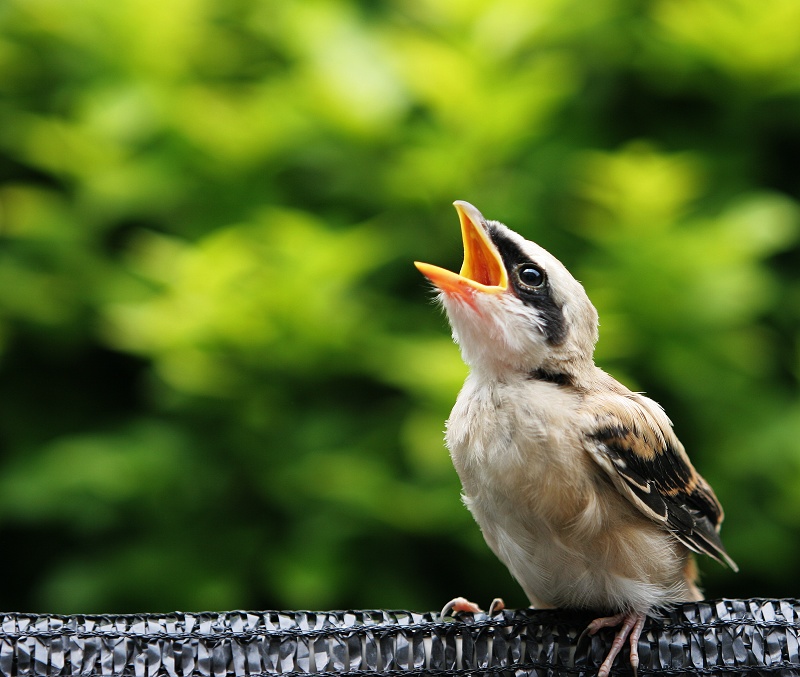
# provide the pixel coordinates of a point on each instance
(482, 269)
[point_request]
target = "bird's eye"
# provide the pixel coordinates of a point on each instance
(530, 275)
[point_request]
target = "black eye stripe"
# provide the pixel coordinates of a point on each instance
(551, 313)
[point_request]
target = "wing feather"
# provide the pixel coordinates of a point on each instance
(632, 440)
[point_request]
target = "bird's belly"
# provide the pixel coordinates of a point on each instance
(575, 558)
(551, 570)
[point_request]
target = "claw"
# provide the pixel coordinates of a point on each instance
(459, 604)
(496, 606)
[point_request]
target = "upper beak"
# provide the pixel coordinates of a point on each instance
(482, 269)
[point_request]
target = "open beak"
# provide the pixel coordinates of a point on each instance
(482, 269)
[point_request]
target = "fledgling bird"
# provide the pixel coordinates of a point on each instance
(579, 485)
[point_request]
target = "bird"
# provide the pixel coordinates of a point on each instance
(578, 484)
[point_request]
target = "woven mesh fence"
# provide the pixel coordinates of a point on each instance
(725, 637)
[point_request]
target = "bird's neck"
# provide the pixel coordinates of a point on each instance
(574, 373)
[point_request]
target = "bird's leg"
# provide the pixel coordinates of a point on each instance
(636, 632)
(632, 624)
(463, 604)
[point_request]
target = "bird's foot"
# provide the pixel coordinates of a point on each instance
(458, 604)
(632, 624)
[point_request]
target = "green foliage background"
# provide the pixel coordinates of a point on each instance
(222, 383)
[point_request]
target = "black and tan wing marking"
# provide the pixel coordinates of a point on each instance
(632, 440)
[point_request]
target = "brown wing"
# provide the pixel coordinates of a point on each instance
(632, 440)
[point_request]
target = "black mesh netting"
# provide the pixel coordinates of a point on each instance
(726, 637)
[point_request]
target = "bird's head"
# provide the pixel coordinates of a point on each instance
(514, 306)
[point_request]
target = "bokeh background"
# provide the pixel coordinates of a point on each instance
(222, 382)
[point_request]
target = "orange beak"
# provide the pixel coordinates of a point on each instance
(482, 270)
